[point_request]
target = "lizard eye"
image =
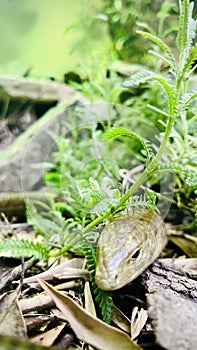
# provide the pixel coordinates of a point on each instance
(135, 254)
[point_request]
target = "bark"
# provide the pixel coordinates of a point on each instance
(166, 274)
(172, 301)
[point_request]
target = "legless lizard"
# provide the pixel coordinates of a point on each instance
(127, 246)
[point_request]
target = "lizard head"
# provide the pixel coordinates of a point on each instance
(127, 246)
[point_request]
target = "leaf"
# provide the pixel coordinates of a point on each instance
(138, 321)
(47, 338)
(187, 243)
(104, 205)
(89, 303)
(65, 268)
(15, 248)
(87, 327)
(190, 175)
(191, 59)
(162, 45)
(187, 27)
(11, 318)
(102, 297)
(116, 132)
(139, 78)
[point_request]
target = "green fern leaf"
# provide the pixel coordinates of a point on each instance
(191, 59)
(162, 45)
(146, 200)
(144, 76)
(103, 298)
(189, 175)
(104, 205)
(117, 132)
(42, 225)
(187, 27)
(195, 192)
(25, 248)
(140, 77)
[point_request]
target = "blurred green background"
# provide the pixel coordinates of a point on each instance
(33, 36)
(49, 38)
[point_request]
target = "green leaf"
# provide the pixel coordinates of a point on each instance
(117, 132)
(162, 45)
(25, 248)
(140, 77)
(190, 60)
(187, 27)
(103, 298)
(146, 75)
(189, 175)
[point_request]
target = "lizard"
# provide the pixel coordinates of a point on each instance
(127, 246)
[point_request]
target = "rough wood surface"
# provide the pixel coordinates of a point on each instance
(173, 302)
(164, 274)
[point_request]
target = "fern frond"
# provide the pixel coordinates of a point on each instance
(104, 205)
(146, 75)
(146, 200)
(90, 200)
(25, 248)
(103, 298)
(188, 98)
(170, 93)
(191, 59)
(44, 226)
(189, 175)
(160, 56)
(51, 224)
(163, 46)
(117, 132)
(140, 77)
(187, 27)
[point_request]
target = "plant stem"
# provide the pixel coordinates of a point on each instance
(180, 91)
(143, 176)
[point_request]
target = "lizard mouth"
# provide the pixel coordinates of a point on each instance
(108, 281)
(103, 280)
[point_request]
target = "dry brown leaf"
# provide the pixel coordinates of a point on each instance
(61, 270)
(121, 320)
(187, 243)
(13, 343)
(89, 303)
(71, 272)
(87, 327)
(138, 321)
(11, 318)
(42, 300)
(48, 338)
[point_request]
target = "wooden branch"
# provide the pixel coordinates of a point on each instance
(166, 274)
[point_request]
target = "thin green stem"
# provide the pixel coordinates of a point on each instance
(140, 180)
